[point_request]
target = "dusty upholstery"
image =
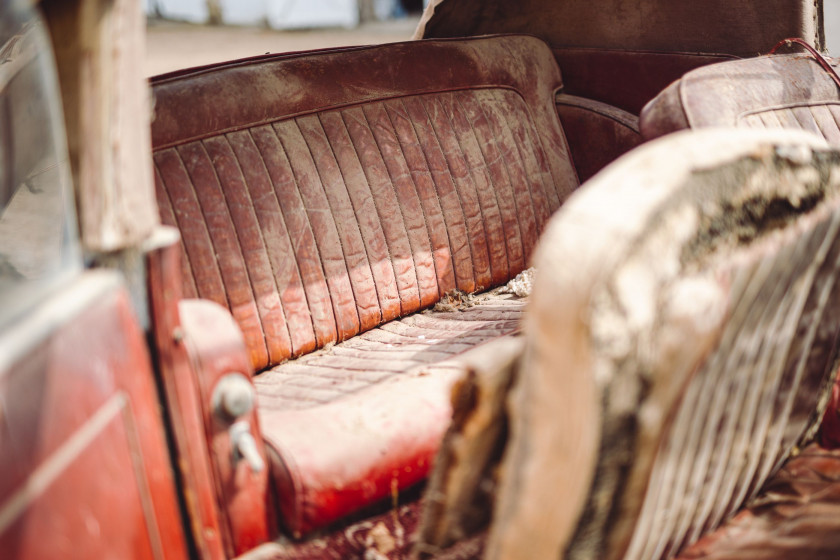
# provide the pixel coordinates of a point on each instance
(390, 180)
(780, 91)
(321, 195)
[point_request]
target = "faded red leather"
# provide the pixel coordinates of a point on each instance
(597, 133)
(779, 91)
(321, 195)
(794, 516)
(470, 160)
(216, 349)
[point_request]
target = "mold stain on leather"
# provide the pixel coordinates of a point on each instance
(798, 188)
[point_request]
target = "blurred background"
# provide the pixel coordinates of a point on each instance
(831, 14)
(184, 33)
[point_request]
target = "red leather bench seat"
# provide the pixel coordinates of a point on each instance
(777, 91)
(326, 198)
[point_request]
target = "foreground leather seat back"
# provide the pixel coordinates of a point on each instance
(778, 91)
(322, 194)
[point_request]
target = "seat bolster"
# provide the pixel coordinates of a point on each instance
(663, 114)
(597, 133)
(362, 448)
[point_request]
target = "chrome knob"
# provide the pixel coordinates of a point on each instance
(233, 397)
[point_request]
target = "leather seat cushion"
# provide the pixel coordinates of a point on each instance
(356, 422)
(779, 91)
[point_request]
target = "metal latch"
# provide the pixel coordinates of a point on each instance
(233, 398)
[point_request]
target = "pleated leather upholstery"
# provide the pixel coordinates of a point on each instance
(393, 350)
(320, 195)
(779, 91)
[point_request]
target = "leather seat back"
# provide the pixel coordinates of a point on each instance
(321, 194)
(779, 91)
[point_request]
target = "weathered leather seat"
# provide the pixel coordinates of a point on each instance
(793, 515)
(326, 198)
(778, 91)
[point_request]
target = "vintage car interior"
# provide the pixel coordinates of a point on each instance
(550, 279)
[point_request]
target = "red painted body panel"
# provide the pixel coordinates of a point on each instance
(84, 469)
(216, 346)
(182, 400)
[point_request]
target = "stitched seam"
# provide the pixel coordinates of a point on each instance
(817, 120)
(291, 350)
(186, 256)
(320, 266)
(744, 114)
(740, 315)
(708, 435)
(469, 178)
(206, 229)
(434, 133)
(492, 185)
(276, 57)
(507, 175)
(542, 167)
(554, 196)
(419, 202)
(356, 222)
(762, 120)
(776, 289)
(282, 218)
(775, 117)
(397, 198)
(337, 106)
(238, 244)
(808, 274)
(800, 122)
(435, 202)
(262, 244)
(834, 116)
(505, 124)
(365, 239)
(378, 211)
(338, 235)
